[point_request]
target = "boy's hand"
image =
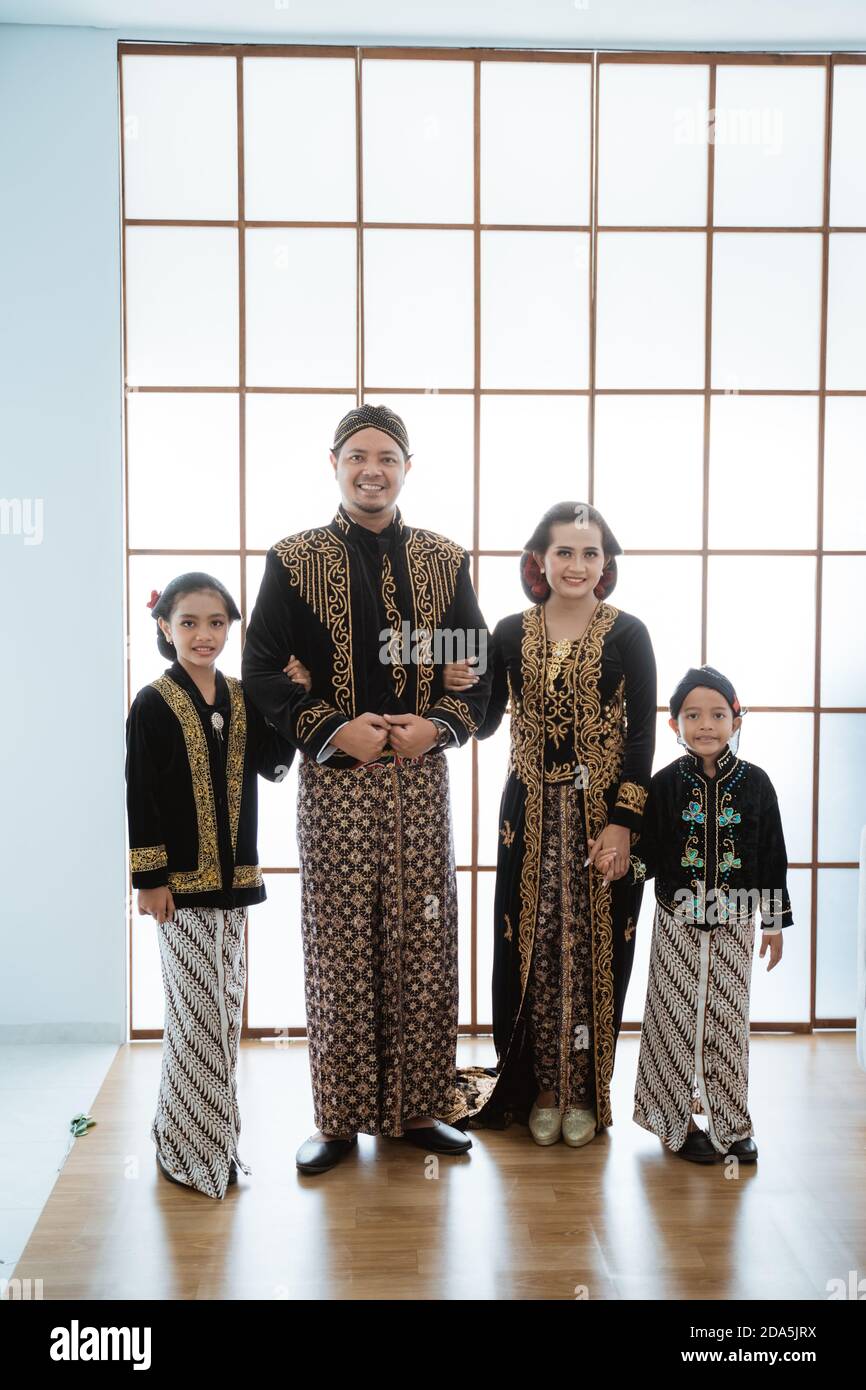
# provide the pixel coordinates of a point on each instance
(156, 902)
(297, 671)
(772, 942)
(459, 675)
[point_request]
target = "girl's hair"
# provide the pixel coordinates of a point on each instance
(580, 514)
(196, 582)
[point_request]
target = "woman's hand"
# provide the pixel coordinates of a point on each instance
(297, 671)
(610, 852)
(772, 942)
(156, 902)
(459, 675)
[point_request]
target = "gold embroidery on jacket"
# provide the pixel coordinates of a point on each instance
(631, 797)
(207, 877)
(433, 563)
(459, 709)
(247, 876)
(318, 566)
(142, 861)
(389, 595)
(312, 718)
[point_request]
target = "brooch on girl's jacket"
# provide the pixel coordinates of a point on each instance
(216, 720)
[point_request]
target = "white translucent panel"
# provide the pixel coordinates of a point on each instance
(533, 455)
(836, 958)
(275, 962)
(418, 142)
(843, 650)
(664, 591)
(418, 309)
(847, 169)
(499, 589)
(650, 309)
(770, 663)
(290, 481)
(182, 306)
(841, 783)
(148, 996)
(492, 773)
(782, 744)
(845, 473)
(772, 441)
(769, 146)
(180, 137)
(301, 308)
(766, 311)
(464, 946)
(635, 999)
(649, 469)
(667, 750)
(299, 139)
(783, 995)
(460, 782)
(439, 489)
(484, 950)
(535, 309)
(846, 307)
(652, 144)
(149, 572)
(183, 470)
(535, 143)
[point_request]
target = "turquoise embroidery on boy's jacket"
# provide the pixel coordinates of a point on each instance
(695, 813)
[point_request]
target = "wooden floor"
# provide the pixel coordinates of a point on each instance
(617, 1219)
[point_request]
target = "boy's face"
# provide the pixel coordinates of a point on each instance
(706, 721)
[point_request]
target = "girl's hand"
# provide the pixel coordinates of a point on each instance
(297, 671)
(459, 675)
(772, 942)
(156, 902)
(610, 852)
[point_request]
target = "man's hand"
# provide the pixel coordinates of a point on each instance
(410, 736)
(156, 902)
(459, 675)
(363, 738)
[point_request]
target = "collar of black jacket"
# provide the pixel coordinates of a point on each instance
(353, 530)
(185, 680)
(724, 762)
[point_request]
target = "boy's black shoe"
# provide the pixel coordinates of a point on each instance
(746, 1150)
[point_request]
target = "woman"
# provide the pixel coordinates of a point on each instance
(581, 679)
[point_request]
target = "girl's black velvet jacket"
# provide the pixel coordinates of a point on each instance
(704, 838)
(192, 799)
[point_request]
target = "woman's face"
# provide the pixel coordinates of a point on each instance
(574, 560)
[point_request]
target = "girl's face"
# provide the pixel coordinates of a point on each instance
(199, 627)
(706, 721)
(574, 560)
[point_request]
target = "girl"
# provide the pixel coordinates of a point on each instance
(712, 839)
(581, 679)
(194, 747)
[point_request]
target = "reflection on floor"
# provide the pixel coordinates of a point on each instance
(619, 1218)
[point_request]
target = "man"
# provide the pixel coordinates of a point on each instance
(379, 899)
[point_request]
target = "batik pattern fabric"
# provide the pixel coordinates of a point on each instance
(379, 925)
(559, 988)
(197, 1121)
(694, 1048)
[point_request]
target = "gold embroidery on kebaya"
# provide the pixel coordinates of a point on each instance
(459, 709)
(207, 877)
(434, 564)
(312, 718)
(598, 755)
(631, 797)
(318, 565)
(527, 758)
(247, 876)
(389, 594)
(507, 932)
(143, 861)
(507, 834)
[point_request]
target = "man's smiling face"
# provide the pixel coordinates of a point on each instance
(370, 470)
